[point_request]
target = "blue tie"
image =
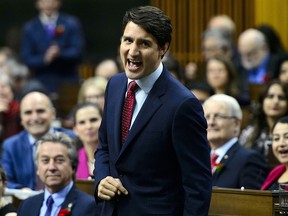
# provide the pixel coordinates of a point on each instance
(49, 204)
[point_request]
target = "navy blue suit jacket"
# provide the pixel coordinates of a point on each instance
(82, 204)
(18, 162)
(164, 162)
(71, 43)
(241, 168)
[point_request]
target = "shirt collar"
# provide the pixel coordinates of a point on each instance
(146, 83)
(48, 20)
(60, 196)
(32, 140)
(221, 151)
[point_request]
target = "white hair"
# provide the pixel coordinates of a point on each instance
(229, 102)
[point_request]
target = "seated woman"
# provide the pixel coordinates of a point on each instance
(6, 209)
(9, 109)
(280, 149)
(87, 119)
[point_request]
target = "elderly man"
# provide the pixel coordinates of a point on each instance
(232, 165)
(259, 65)
(56, 159)
(37, 114)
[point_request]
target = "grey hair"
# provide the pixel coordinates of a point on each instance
(5, 78)
(64, 139)
(229, 102)
(224, 40)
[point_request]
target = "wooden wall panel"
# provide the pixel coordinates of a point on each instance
(274, 13)
(189, 19)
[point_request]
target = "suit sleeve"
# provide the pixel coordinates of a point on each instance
(6, 161)
(254, 171)
(192, 150)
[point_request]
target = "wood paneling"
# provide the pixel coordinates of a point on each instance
(273, 13)
(190, 17)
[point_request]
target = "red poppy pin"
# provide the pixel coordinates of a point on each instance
(59, 30)
(66, 211)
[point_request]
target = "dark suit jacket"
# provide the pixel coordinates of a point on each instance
(241, 167)
(164, 162)
(36, 42)
(82, 204)
(18, 162)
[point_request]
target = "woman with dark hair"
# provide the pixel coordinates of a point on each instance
(222, 77)
(280, 148)
(6, 209)
(272, 105)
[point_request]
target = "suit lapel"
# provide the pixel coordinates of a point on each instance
(70, 199)
(225, 160)
(150, 106)
(35, 211)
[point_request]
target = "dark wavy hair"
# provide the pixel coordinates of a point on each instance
(153, 21)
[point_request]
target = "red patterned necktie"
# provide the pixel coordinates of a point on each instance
(214, 157)
(128, 110)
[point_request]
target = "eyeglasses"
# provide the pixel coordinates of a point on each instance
(218, 116)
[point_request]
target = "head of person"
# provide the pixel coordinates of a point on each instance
(107, 68)
(37, 113)
(280, 140)
(147, 34)
(6, 87)
(87, 120)
(57, 160)
(273, 100)
(201, 90)
(282, 68)
(3, 181)
(93, 90)
(220, 73)
(253, 48)
(224, 22)
(216, 42)
(48, 7)
(224, 115)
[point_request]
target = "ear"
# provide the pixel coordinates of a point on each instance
(164, 49)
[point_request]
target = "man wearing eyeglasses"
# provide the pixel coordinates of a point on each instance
(233, 166)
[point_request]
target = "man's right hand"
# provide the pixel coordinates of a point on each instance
(109, 187)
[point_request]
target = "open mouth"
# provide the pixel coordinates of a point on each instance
(133, 64)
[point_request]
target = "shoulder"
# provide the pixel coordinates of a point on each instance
(69, 19)
(13, 140)
(83, 198)
(67, 131)
(31, 201)
(31, 23)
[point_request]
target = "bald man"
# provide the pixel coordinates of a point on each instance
(37, 114)
(259, 64)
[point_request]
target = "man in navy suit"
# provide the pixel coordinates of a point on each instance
(53, 46)
(235, 166)
(163, 166)
(37, 115)
(57, 160)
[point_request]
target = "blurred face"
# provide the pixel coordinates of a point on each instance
(221, 125)
(200, 95)
(87, 124)
(210, 48)
(48, 7)
(54, 166)
(37, 114)
(217, 75)
(280, 142)
(275, 103)
(94, 95)
(283, 76)
(252, 54)
(5, 92)
(139, 52)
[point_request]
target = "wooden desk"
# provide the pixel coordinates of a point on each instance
(86, 186)
(234, 202)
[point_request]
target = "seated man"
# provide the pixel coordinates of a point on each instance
(37, 114)
(56, 159)
(233, 166)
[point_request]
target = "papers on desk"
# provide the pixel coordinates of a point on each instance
(20, 194)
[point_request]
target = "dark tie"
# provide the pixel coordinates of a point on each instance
(214, 157)
(49, 204)
(128, 110)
